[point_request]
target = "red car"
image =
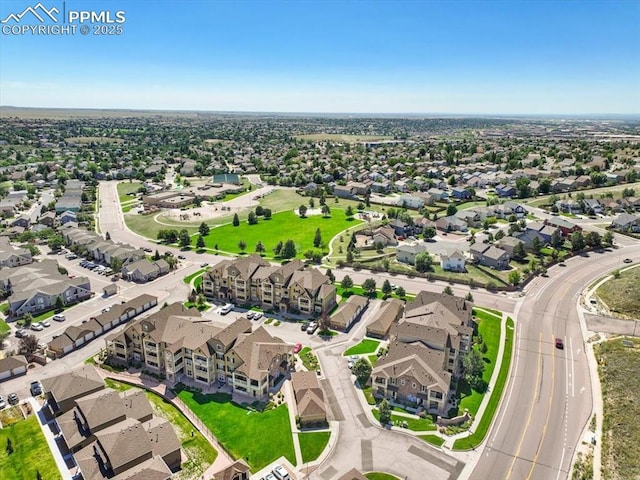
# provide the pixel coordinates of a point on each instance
(297, 348)
(559, 343)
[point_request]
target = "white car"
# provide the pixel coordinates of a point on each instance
(59, 317)
(37, 327)
(250, 314)
(226, 309)
(280, 472)
(257, 315)
(45, 323)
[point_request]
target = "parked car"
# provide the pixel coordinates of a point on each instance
(250, 314)
(311, 329)
(559, 343)
(204, 265)
(2, 404)
(59, 317)
(627, 260)
(13, 398)
(21, 332)
(37, 327)
(270, 476)
(304, 326)
(106, 309)
(45, 323)
(352, 361)
(36, 389)
(297, 348)
(257, 315)
(226, 308)
(182, 257)
(280, 472)
(115, 278)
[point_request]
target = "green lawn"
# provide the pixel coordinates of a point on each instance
(31, 452)
(482, 428)
(283, 226)
(312, 444)
(365, 346)
(489, 328)
(357, 290)
(415, 424)
(432, 439)
(380, 476)
(124, 188)
(188, 278)
(309, 360)
(373, 359)
(258, 437)
(4, 327)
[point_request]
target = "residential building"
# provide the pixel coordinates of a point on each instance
(407, 252)
(509, 244)
(288, 287)
(453, 262)
(388, 314)
(565, 226)
(11, 256)
(309, 397)
(452, 224)
(626, 222)
(145, 270)
(168, 199)
(238, 470)
(348, 312)
(13, 366)
(460, 193)
(176, 342)
(490, 256)
(63, 390)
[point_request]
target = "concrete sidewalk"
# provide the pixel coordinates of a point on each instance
(51, 440)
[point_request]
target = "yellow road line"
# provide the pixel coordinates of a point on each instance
(546, 422)
(524, 432)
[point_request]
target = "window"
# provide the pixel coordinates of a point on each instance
(392, 381)
(402, 382)
(413, 385)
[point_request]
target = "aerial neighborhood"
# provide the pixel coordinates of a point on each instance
(196, 298)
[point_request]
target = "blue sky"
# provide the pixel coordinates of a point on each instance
(464, 57)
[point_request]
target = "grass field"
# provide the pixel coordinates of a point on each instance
(188, 278)
(124, 188)
(31, 452)
(380, 476)
(257, 437)
(596, 192)
(489, 328)
(618, 369)
(4, 327)
(312, 444)
(365, 346)
(282, 227)
(432, 439)
(338, 137)
(482, 428)
(622, 295)
(414, 424)
(198, 451)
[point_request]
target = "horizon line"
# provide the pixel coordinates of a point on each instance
(600, 116)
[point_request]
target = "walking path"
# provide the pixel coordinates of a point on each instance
(51, 439)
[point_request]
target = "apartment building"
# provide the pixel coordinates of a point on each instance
(181, 344)
(287, 288)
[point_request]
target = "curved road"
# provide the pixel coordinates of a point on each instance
(548, 399)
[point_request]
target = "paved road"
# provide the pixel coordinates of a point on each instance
(548, 400)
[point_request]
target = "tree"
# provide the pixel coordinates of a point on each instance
(107, 236)
(326, 211)
(423, 262)
(312, 203)
(544, 185)
(242, 245)
(349, 212)
(429, 233)
(252, 218)
(28, 345)
(523, 189)
(346, 283)
(317, 239)
(519, 252)
(362, 370)
(536, 245)
(400, 292)
(277, 250)
(55, 242)
(593, 239)
(259, 210)
(289, 249)
(267, 213)
(236, 220)
(556, 239)
(156, 255)
(384, 409)
(3, 337)
(451, 209)
(472, 368)
(369, 287)
(514, 277)
(260, 247)
(577, 241)
(447, 290)
(302, 211)
(200, 242)
(184, 239)
(386, 288)
(116, 264)
(607, 238)
(9, 448)
(330, 274)
(27, 319)
(469, 297)
(59, 306)
(499, 234)
(204, 229)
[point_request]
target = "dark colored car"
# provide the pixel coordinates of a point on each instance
(304, 326)
(36, 389)
(559, 343)
(627, 260)
(13, 398)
